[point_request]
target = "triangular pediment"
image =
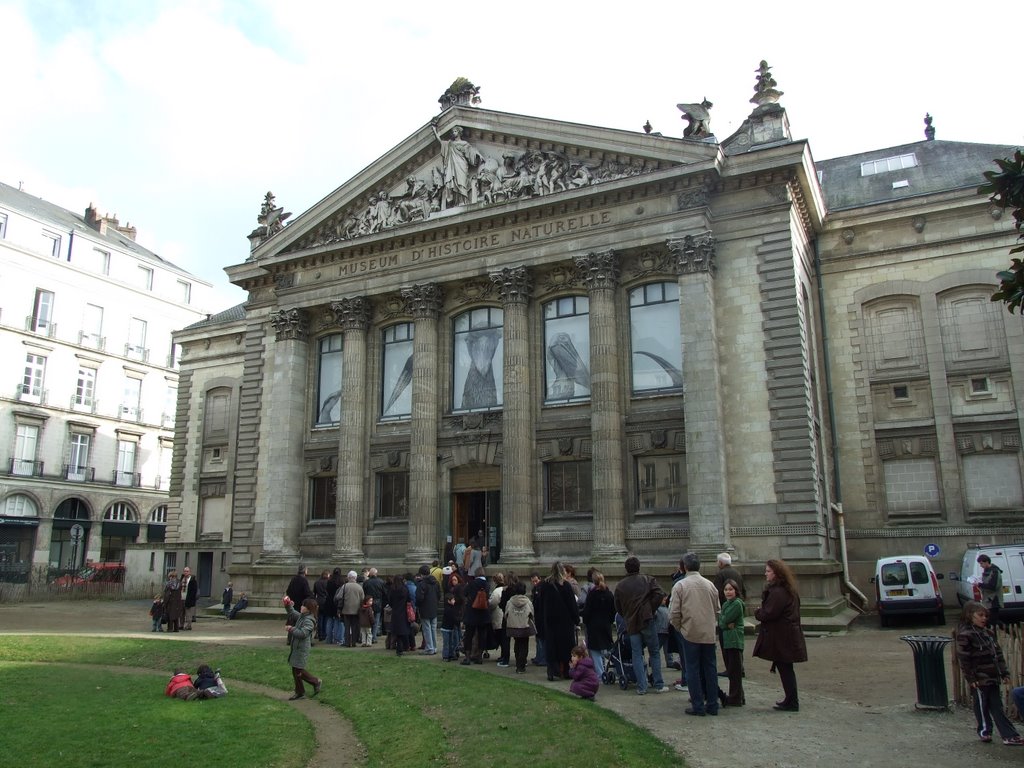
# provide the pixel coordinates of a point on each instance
(472, 159)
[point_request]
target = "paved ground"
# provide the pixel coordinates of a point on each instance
(857, 697)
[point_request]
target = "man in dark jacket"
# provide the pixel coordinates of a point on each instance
(320, 593)
(726, 572)
(374, 587)
(637, 597)
(298, 590)
(189, 595)
(991, 589)
(428, 596)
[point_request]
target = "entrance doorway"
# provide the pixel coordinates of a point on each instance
(476, 506)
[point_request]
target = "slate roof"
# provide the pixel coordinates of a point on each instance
(229, 315)
(942, 166)
(63, 219)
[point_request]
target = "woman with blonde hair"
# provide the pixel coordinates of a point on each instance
(780, 638)
(560, 615)
(598, 619)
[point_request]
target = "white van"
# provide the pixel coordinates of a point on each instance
(1010, 560)
(907, 585)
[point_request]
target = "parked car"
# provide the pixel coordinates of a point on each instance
(907, 585)
(1009, 558)
(92, 573)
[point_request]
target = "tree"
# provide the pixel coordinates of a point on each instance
(1006, 189)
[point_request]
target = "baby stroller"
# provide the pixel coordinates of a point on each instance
(618, 666)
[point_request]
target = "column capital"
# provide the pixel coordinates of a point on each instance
(352, 314)
(694, 253)
(514, 284)
(423, 301)
(599, 270)
(290, 325)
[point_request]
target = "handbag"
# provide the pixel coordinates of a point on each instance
(410, 612)
(480, 600)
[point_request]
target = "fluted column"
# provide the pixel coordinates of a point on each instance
(517, 443)
(350, 516)
(424, 304)
(702, 400)
(600, 272)
(283, 481)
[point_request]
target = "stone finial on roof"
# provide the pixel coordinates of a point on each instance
(271, 221)
(929, 130)
(698, 117)
(765, 91)
(460, 93)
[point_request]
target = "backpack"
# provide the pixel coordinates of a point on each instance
(480, 600)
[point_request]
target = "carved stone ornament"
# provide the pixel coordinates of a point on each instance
(514, 285)
(698, 119)
(473, 290)
(460, 93)
(652, 261)
(281, 282)
(271, 221)
(599, 271)
(694, 254)
(918, 223)
(848, 236)
(394, 458)
(352, 314)
(659, 438)
(765, 91)
(423, 300)
(290, 325)
(559, 278)
(565, 446)
(693, 197)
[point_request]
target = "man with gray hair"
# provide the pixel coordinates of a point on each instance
(693, 610)
(725, 573)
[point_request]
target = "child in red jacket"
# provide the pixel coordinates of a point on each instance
(180, 687)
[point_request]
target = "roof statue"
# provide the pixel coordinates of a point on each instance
(699, 118)
(765, 91)
(460, 93)
(929, 129)
(271, 221)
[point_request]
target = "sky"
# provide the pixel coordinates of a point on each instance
(180, 116)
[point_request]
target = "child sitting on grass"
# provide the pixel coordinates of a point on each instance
(584, 678)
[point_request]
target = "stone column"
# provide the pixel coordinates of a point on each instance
(350, 516)
(517, 441)
(281, 505)
(423, 303)
(600, 272)
(702, 395)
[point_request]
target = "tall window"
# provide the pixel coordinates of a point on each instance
(92, 327)
(26, 441)
(131, 398)
(145, 276)
(136, 347)
(98, 261)
(32, 382)
(396, 392)
(478, 350)
(170, 406)
(216, 407)
(115, 539)
(125, 473)
(661, 482)
(567, 349)
(42, 313)
(393, 495)
(323, 495)
(3, 226)
(568, 486)
(328, 397)
(51, 244)
(657, 351)
(85, 389)
(78, 461)
(184, 291)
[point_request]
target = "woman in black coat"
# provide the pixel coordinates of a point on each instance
(398, 599)
(780, 638)
(561, 614)
(599, 618)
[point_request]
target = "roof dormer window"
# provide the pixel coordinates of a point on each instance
(895, 163)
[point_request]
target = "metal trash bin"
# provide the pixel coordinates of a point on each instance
(930, 670)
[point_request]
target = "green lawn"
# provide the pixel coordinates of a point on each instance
(406, 713)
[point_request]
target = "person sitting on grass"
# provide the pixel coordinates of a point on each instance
(585, 683)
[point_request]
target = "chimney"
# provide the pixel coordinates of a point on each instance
(128, 231)
(92, 218)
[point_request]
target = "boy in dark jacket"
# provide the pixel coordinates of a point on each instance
(451, 634)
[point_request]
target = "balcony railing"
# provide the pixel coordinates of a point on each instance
(79, 474)
(136, 353)
(167, 421)
(83, 405)
(130, 413)
(93, 340)
(25, 468)
(127, 479)
(40, 326)
(27, 394)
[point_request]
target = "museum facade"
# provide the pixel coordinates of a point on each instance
(584, 343)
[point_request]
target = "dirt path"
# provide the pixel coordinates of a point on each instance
(857, 697)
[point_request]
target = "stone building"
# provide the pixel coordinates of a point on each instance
(90, 387)
(586, 342)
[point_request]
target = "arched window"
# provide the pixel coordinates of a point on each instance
(20, 505)
(477, 359)
(119, 511)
